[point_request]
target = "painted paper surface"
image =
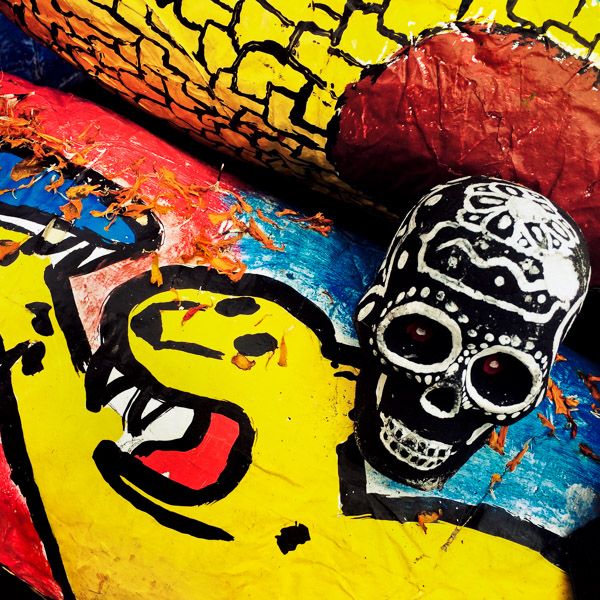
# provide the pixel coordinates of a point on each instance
(183, 467)
(266, 82)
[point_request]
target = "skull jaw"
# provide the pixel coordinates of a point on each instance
(407, 454)
(368, 438)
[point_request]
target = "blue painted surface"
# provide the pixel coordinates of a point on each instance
(50, 202)
(332, 272)
(22, 56)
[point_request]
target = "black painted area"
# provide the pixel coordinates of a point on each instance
(148, 326)
(584, 558)
(233, 307)
(31, 360)
(291, 537)
(15, 451)
(255, 344)
(485, 518)
(41, 321)
(15, 589)
(463, 8)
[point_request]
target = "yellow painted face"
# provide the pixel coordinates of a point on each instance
(123, 533)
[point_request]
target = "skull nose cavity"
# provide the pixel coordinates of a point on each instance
(441, 401)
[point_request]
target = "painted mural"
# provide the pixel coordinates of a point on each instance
(194, 373)
(372, 101)
(178, 377)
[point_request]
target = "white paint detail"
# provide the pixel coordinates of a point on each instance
(402, 260)
(379, 389)
(30, 226)
(170, 425)
(420, 308)
(96, 253)
(120, 403)
(151, 405)
(365, 311)
(434, 410)
(475, 435)
(411, 448)
(527, 361)
(114, 374)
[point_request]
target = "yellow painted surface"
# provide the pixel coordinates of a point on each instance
(256, 24)
(311, 43)
(367, 49)
(300, 414)
(401, 16)
(199, 13)
(260, 69)
(224, 55)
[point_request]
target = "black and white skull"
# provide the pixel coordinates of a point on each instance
(462, 324)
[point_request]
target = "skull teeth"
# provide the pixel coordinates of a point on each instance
(411, 448)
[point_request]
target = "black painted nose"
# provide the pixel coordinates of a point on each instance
(442, 401)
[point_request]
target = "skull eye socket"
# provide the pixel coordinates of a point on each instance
(418, 339)
(501, 379)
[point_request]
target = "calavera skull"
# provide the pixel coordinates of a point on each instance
(462, 324)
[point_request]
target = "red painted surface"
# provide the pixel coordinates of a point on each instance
(479, 102)
(21, 549)
(202, 465)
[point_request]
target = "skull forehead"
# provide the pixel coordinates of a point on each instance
(492, 241)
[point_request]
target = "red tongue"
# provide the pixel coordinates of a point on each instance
(202, 465)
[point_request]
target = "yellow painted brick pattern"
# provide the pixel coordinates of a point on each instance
(587, 22)
(319, 107)
(313, 51)
(199, 12)
(299, 10)
(259, 69)
(401, 16)
(258, 25)
(367, 49)
(261, 80)
(224, 55)
(537, 13)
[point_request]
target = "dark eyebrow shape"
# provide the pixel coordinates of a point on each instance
(147, 325)
(233, 307)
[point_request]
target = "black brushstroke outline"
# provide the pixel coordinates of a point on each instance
(15, 451)
(491, 520)
(56, 277)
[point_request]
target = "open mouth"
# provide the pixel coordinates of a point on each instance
(177, 448)
(412, 448)
(162, 424)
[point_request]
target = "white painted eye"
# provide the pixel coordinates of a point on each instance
(419, 338)
(503, 380)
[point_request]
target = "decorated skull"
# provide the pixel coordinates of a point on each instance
(462, 324)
